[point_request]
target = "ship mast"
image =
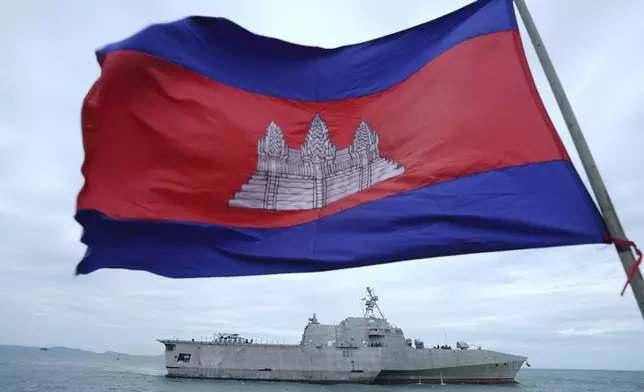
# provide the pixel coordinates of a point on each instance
(371, 303)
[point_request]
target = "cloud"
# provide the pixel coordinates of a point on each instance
(560, 307)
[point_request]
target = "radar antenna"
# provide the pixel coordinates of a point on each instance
(371, 303)
(313, 320)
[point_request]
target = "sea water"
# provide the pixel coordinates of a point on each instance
(25, 370)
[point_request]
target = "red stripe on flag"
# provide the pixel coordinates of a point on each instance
(165, 143)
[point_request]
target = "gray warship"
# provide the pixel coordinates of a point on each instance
(366, 350)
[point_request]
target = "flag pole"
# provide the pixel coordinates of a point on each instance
(599, 189)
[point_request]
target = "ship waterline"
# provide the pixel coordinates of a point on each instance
(367, 350)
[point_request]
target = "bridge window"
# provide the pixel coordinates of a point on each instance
(184, 357)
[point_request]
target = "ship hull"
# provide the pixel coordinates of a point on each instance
(295, 376)
(475, 374)
(386, 378)
(333, 365)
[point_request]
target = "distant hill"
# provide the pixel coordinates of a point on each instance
(67, 349)
(113, 353)
(61, 349)
(55, 348)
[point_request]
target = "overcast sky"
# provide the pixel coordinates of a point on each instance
(559, 307)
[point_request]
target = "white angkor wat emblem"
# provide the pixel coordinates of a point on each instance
(317, 173)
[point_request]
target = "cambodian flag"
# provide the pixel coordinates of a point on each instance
(212, 151)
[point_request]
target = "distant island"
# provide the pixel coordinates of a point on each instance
(62, 349)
